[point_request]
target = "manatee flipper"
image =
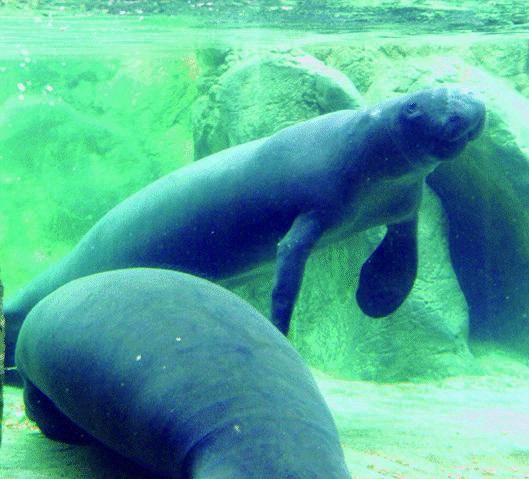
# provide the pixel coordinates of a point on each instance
(388, 275)
(53, 423)
(292, 253)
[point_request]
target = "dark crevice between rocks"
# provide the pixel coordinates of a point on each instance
(486, 203)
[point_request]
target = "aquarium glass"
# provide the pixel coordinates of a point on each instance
(99, 99)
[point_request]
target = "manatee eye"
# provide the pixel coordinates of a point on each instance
(412, 107)
(412, 110)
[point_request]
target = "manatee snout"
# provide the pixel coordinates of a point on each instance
(479, 124)
(459, 120)
(465, 116)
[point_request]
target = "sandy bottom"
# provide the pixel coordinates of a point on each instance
(461, 428)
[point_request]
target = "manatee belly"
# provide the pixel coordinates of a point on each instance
(385, 202)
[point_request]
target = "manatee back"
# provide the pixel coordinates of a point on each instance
(153, 362)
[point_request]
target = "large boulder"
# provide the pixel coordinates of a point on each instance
(257, 96)
(76, 137)
(368, 63)
(485, 194)
(61, 170)
(506, 59)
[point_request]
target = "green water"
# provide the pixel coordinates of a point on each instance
(100, 99)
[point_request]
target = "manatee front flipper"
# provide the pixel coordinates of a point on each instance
(388, 275)
(53, 423)
(292, 253)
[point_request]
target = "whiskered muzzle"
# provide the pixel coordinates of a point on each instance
(466, 117)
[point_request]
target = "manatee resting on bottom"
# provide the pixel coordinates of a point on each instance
(177, 374)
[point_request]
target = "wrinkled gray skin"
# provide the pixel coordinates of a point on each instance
(328, 177)
(177, 374)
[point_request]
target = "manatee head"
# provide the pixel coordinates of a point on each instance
(441, 120)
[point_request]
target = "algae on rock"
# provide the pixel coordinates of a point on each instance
(256, 96)
(76, 138)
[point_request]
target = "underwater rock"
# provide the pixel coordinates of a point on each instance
(72, 79)
(61, 170)
(363, 63)
(148, 95)
(485, 194)
(359, 63)
(186, 379)
(255, 97)
(151, 97)
(79, 134)
(507, 59)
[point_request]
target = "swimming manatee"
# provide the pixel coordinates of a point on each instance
(279, 196)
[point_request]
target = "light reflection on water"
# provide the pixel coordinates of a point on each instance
(115, 35)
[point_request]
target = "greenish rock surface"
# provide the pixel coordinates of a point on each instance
(359, 62)
(365, 62)
(486, 196)
(257, 96)
(149, 97)
(63, 170)
(77, 137)
(508, 59)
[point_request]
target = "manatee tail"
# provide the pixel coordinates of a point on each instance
(388, 275)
